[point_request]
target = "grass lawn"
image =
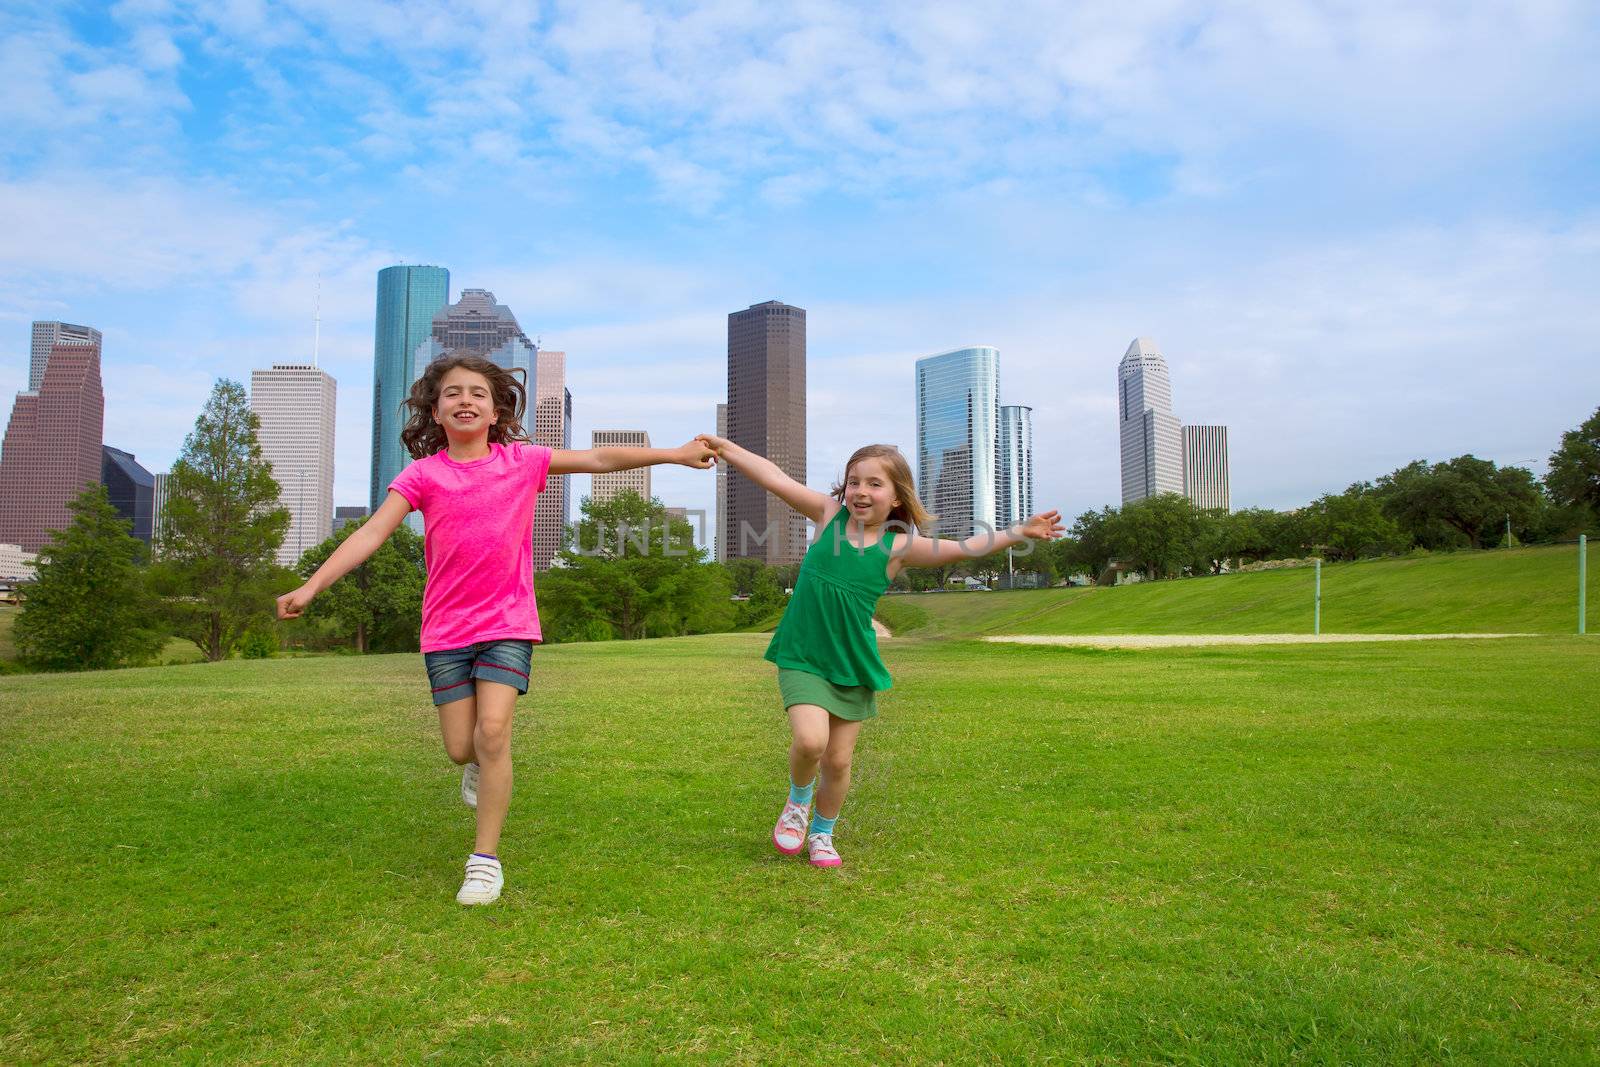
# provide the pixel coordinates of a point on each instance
(1528, 590)
(1286, 854)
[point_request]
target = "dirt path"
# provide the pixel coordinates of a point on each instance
(1181, 640)
(880, 629)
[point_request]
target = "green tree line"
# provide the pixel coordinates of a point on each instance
(629, 571)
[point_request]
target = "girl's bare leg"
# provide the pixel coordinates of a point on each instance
(457, 721)
(809, 724)
(491, 742)
(841, 746)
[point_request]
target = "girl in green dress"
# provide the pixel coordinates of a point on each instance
(829, 671)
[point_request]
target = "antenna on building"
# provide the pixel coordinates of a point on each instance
(316, 341)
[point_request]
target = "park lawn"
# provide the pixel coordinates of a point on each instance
(1294, 853)
(1526, 590)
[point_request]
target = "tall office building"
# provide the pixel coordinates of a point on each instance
(1014, 498)
(408, 298)
(603, 487)
(131, 490)
(1152, 441)
(46, 335)
(295, 403)
(767, 415)
(1205, 466)
(476, 325)
(552, 427)
(958, 425)
(720, 552)
(52, 445)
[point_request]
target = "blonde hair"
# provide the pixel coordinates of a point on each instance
(909, 512)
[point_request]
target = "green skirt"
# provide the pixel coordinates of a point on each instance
(853, 702)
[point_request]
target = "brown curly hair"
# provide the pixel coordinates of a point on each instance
(423, 437)
(909, 512)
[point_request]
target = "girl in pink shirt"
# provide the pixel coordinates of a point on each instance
(475, 481)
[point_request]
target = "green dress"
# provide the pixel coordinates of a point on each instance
(825, 647)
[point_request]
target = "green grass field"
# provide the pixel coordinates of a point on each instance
(1292, 854)
(1530, 590)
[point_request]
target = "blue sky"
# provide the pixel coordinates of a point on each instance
(1361, 233)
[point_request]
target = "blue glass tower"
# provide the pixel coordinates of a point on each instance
(408, 298)
(958, 426)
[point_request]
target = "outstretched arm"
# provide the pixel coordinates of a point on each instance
(621, 458)
(349, 555)
(769, 476)
(919, 551)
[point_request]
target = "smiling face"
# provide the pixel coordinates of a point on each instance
(869, 492)
(465, 407)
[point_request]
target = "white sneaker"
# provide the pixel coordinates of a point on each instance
(483, 882)
(823, 854)
(789, 835)
(469, 785)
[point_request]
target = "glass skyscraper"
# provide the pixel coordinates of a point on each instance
(408, 298)
(958, 425)
(1014, 500)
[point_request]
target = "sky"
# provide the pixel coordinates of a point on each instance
(1361, 233)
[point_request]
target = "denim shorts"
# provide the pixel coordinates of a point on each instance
(450, 672)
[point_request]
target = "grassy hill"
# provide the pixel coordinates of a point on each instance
(1531, 590)
(1336, 855)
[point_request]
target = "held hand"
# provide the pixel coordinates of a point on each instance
(1045, 526)
(713, 442)
(697, 453)
(290, 605)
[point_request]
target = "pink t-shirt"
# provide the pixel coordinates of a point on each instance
(477, 531)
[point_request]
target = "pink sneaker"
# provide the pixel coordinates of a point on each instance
(822, 851)
(790, 834)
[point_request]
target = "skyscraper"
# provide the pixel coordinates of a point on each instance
(958, 423)
(552, 427)
(52, 444)
(476, 325)
(1014, 499)
(131, 490)
(46, 335)
(1205, 466)
(408, 298)
(767, 415)
(603, 487)
(1152, 444)
(295, 403)
(721, 553)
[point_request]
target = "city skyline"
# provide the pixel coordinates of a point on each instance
(180, 177)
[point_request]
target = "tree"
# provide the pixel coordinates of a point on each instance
(88, 610)
(379, 604)
(221, 527)
(1466, 495)
(1352, 525)
(1574, 476)
(628, 573)
(1087, 548)
(767, 598)
(1158, 534)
